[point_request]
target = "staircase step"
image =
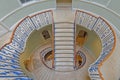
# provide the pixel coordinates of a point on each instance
(64, 30)
(64, 47)
(64, 43)
(65, 68)
(64, 51)
(64, 63)
(64, 38)
(64, 34)
(64, 27)
(62, 55)
(64, 59)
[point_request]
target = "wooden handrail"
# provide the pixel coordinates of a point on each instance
(13, 33)
(110, 53)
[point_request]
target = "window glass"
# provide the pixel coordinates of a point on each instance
(26, 1)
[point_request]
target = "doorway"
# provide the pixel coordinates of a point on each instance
(64, 1)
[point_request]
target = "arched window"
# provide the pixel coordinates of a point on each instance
(46, 34)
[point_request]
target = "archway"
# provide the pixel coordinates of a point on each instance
(64, 1)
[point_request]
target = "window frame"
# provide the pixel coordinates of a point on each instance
(27, 3)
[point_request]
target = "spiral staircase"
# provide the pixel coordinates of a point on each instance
(64, 44)
(64, 47)
(10, 52)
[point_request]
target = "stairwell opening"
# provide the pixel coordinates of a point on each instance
(47, 58)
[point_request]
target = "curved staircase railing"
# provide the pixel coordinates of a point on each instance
(105, 33)
(9, 54)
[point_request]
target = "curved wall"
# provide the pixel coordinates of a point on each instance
(110, 68)
(6, 6)
(23, 11)
(107, 35)
(17, 43)
(103, 11)
(93, 42)
(35, 41)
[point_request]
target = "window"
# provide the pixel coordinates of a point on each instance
(26, 1)
(81, 37)
(46, 34)
(82, 33)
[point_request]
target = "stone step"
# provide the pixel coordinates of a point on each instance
(64, 27)
(64, 30)
(64, 63)
(64, 38)
(64, 51)
(64, 43)
(65, 68)
(64, 59)
(64, 34)
(64, 47)
(63, 55)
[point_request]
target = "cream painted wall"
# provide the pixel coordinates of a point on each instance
(102, 2)
(35, 41)
(93, 42)
(3, 30)
(11, 11)
(6, 6)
